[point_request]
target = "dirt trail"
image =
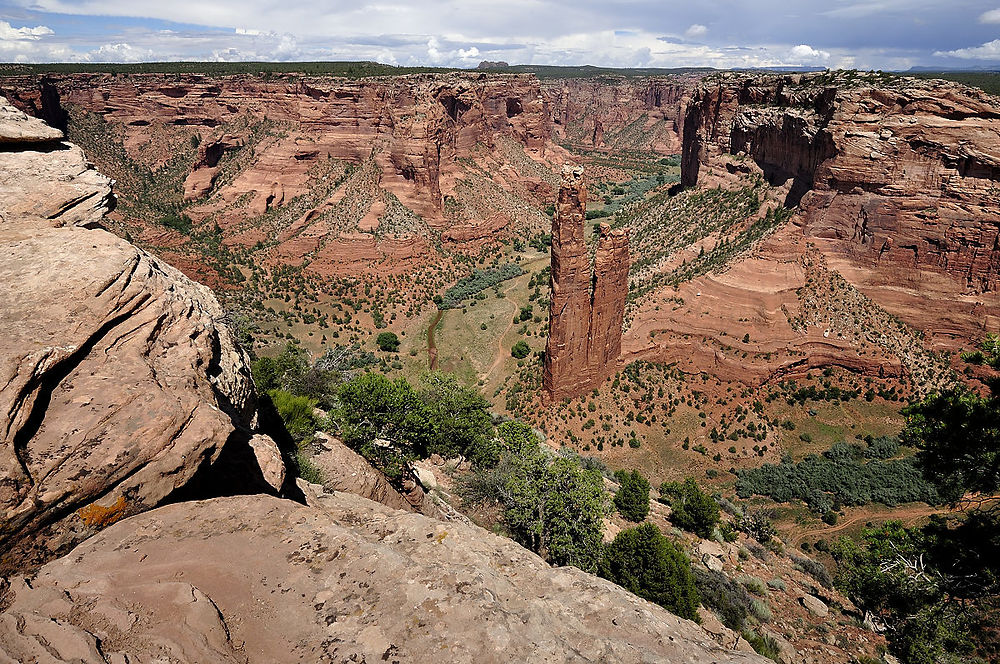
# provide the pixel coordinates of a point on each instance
(908, 515)
(499, 357)
(432, 351)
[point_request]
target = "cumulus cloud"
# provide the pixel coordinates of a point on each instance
(695, 31)
(992, 16)
(988, 51)
(10, 33)
(807, 55)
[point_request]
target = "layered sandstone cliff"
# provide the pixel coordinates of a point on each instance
(345, 175)
(122, 389)
(118, 384)
(900, 174)
(620, 113)
(587, 307)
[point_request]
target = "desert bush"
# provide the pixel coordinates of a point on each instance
(813, 568)
(477, 282)
(632, 498)
(691, 508)
(646, 563)
(724, 596)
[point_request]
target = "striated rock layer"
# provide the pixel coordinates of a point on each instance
(620, 113)
(259, 579)
(586, 308)
(257, 156)
(118, 382)
(898, 179)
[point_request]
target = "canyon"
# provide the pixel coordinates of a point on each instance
(131, 431)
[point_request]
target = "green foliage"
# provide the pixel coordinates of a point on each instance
(477, 282)
(296, 412)
(958, 436)
(178, 221)
(632, 499)
(763, 644)
(646, 563)
(520, 350)
(551, 505)
(907, 578)
(691, 508)
(726, 597)
(291, 372)
(388, 341)
(384, 420)
(460, 419)
(845, 473)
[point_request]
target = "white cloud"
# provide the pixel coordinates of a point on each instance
(10, 33)
(695, 31)
(992, 16)
(805, 54)
(988, 51)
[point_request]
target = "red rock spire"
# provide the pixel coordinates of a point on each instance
(585, 323)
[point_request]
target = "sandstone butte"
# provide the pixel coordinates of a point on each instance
(587, 306)
(122, 390)
(895, 182)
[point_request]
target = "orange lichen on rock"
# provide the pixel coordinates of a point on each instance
(98, 516)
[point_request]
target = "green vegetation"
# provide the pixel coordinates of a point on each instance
(937, 587)
(646, 563)
(477, 282)
(551, 503)
(520, 350)
(846, 474)
(388, 341)
(691, 508)
(632, 499)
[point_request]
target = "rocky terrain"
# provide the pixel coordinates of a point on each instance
(895, 207)
(341, 176)
(123, 390)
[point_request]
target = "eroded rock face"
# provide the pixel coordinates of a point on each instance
(342, 580)
(586, 309)
(250, 146)
(621, 113)
(897, 178)
(118, 381)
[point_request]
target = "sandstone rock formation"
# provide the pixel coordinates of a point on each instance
(265, 158)
(259, 579)
(586, 309)
(898, 177)
(118, 383)
(621, 113)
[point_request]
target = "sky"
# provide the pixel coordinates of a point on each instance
(867, 34)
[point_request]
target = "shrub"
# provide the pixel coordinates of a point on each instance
(724, 596)
(632, 499)
(646, 563)
(691, 509)
(388, 341)
(753, 584)
(844, 473)
(813, 568)
(296, 412)
(520, 350)
(777, 584)
(764, 645)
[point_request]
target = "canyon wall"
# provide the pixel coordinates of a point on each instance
(119, 384)
(121, 389)
(586, 308)
(902, 174)
(620, 113)
(261, 158)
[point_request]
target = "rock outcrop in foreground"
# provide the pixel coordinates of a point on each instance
(587, 309)
(117, 381)
(261, 579)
